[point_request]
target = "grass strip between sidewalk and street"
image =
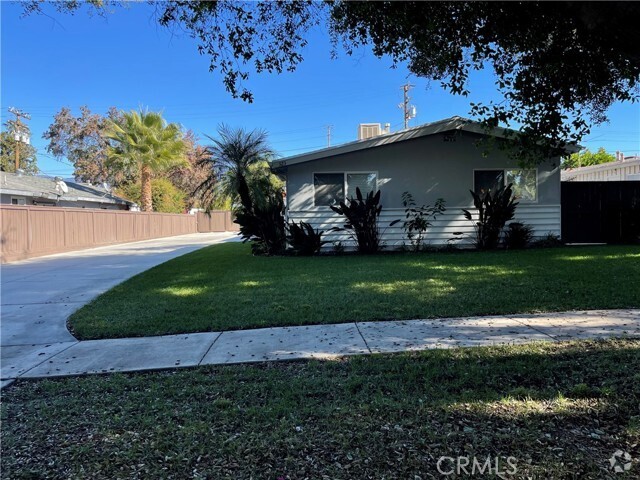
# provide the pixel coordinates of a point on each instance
(560, 410)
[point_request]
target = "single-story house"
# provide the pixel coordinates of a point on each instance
(435, 160)
(20, 189)
(623, 169)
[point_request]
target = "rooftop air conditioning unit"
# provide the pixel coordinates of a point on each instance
(368, 130)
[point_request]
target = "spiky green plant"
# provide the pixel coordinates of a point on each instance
(362, 215)
(495, 208)
(304, 240)
(239, 169)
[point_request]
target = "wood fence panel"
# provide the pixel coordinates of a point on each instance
(126, 228)
(15, 233)
(216, 221)
(78, 228)
(32, 231)
(607, 212)
(46, 231)
(105, 228)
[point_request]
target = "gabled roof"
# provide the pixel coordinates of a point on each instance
(441, 126)
(45, 187)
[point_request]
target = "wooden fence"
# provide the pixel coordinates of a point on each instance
(607, 212)
(215, 221)
(29, 231)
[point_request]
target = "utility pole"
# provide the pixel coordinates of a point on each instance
(329, 127)
(19, 134)
(409, 111)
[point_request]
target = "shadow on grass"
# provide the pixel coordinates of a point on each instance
(560, 410)
(223, 288)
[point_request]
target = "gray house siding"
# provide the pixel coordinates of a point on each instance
(429, 168)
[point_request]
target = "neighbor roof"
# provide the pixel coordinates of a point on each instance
(45, 187)
(441, 126)
(571, 173)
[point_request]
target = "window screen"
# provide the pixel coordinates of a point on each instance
(525, 184)
(487, 180)
(367, 182)
(328, 189)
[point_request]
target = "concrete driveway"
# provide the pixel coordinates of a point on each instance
(39, 294)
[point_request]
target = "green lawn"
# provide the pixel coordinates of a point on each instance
(223, 287)
(561, 410)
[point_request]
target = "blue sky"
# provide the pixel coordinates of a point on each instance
(127, 60)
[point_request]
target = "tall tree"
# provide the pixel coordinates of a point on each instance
(236, 164)
(587, 158)
(240, 169)
(189, 176)
(27, 152)
(558, 65)
(145, 141)
(80, 139)
(167, 198)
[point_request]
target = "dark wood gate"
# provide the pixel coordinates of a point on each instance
(601, 212)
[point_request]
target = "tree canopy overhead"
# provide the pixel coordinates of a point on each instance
(558, 66)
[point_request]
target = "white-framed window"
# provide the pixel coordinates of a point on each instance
(328, 189)
(18, 201)
(487, 180)
(367, 182)
(331, 188)
(525, 184)
(524, 181)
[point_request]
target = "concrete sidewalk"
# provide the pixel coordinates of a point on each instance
(39, 294)
(319, 342)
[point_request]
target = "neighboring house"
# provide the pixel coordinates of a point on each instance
(435, 160)
(20, 189)
(624, 168)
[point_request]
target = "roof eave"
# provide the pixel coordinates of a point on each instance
(441, 126)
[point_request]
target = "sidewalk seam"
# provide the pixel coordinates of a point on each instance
(552, 337)
(47, 359)
(210, 347)
(366, 344)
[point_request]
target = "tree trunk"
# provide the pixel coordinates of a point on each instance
(244, 193)
(145, 190)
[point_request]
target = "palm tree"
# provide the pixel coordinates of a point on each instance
(145, 141)
(237, 159)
